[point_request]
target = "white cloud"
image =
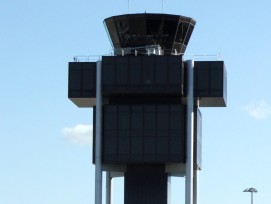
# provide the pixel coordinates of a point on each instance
(258, 110)
(78, 134)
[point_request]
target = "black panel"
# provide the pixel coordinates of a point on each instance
(161, 73)
(135, 74)
(145, 184)
(129, 75)
(145, 99)
(122, 72)
(137, 117)
(82, 80)
(108, 72)
(143, 133)
(75, 80)
(209, 78)
(175, 73)
(148, 72)
(111, 117)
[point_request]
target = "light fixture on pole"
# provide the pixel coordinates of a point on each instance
(251, 190)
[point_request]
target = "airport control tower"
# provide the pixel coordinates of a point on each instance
(146, 99)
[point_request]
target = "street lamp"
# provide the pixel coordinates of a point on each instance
(251, 190)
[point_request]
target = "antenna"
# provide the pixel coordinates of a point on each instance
(128, 6)
(162, 6)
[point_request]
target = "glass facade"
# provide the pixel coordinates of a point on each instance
(170, 32)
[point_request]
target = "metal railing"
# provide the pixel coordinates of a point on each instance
(196, 57)
(202, 57)
(87, 58)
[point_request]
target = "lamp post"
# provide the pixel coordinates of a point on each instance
(251, 190)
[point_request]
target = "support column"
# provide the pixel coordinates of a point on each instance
(195, 187)
(168, 189)
(190, 134)
(98, 137)
(108, 188)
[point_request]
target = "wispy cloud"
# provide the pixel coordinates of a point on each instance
(78, 134)
(258, 110)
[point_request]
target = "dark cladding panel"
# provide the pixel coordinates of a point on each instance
(111, 117)
(143, 133)
(108, 72)
(135, 74)
(175, 71)
(136, 146)
(149, 145)
(136, 117)
(145, 184)
(82, 79)
(163, 117)
(216, 85)
(89, 80)
(75, 80)
(111, 145)
(124, 147)
(82, 83)
(176, 117)
(162, 146)
(175, 147)
(122, 72)
(202, 77)
(150, 117)
(124, 118)
(148, 72)
(161, 73)
(141, 75)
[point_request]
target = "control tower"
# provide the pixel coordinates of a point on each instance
(146, 99)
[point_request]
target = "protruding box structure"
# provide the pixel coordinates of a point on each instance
(210, 85)
(82, 83)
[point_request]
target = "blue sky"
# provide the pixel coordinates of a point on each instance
(45, 148)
